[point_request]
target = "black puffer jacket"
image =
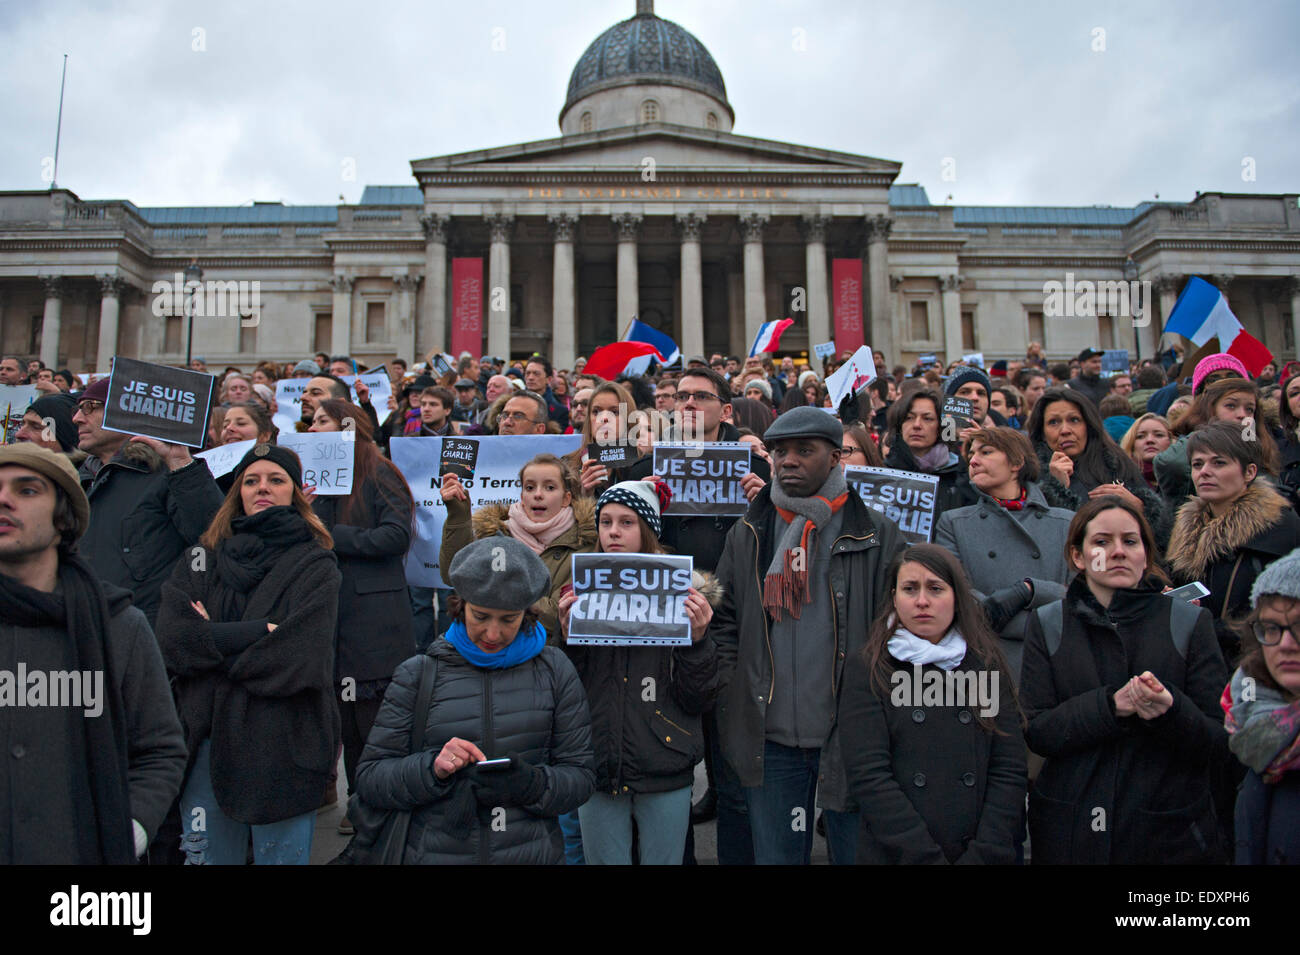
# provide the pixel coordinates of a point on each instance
(1122, 790)
(955, 489)
(645, 708)
(537, 709)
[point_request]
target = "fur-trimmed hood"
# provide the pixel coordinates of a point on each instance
(1200, 539)
(141, 455)
(490, 520)
(709, 586)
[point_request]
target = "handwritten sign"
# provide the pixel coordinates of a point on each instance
(458, 457)
(328, 459)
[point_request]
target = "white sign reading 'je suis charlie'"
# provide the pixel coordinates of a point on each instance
(327, 458)
(631, 600)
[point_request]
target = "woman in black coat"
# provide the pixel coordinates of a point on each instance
(1263, 721)
(1120, 686)
(1288, 439)
(371, 528)
(498, 692)
(247, 632)
(942, 778)
(915, 444)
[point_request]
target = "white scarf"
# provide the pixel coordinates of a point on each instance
(909, 648)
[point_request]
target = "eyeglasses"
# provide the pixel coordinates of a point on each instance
(1270, 634)
(89, 406)
(515, 416)
(850, 449)
(580, 404)
(699, 397)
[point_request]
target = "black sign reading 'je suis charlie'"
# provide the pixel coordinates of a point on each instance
(459, 456)
(704, 478)
(170, 404)
(630, 600)
(612, 455)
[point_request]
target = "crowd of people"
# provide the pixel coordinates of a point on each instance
(1025, 686)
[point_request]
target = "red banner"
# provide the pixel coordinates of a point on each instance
(846, 301)
(467, 306)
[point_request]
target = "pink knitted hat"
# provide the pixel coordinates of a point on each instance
(1221, 361)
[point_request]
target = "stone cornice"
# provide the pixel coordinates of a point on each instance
(625, 177)
(969, 261)
(1225, 244)
(376, 244)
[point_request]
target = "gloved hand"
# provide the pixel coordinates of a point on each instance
(521, 784)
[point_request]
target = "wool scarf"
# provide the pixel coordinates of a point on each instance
(521, 649)
(256, 544)
(538, 535)
(786, 588)
(906, 646)
(98, 746)
(933, 459)
(1264, 731)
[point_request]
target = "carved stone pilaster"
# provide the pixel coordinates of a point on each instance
(563, 226)
(112, 286)
(407, 282)
(878, 228)
(690, 225)
(56, 286)
(813, 228)
(501, 226)
(628, 225)
(895, 282)
(435, 227)
(950, 283)
(342, 284)
(751, 226)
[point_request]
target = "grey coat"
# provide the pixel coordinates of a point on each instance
(998, 547)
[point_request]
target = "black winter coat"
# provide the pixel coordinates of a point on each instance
(142, 517)
(648, 736)
(536, 709)
(268, 709)
(1123, 790)
(1268, 821)
(955, 489)
(931, 784)
(375, 632)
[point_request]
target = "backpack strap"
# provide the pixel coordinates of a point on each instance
(423, 697)
(1051, 616)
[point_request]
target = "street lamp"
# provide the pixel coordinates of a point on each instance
(193, 276)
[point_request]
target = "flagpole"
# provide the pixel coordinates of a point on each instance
(58, 129)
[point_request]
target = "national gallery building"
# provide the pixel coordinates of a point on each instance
(647, 204)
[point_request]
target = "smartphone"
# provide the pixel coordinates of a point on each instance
(1189, 592)
(492, 765)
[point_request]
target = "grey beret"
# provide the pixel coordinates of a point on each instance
(805, 422)
(499, 573)
(308, 366)
(1281, 577)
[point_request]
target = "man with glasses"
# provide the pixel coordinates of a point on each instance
(149, 502)
(578, 409)
(666, 396)
(523, 414)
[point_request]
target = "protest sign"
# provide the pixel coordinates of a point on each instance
(14, 400)
(852, 376)
(288, 402)
(630, 600)
(495, 481)
(975, 358)
(381, 389)
(327, 459)
(958, 415)
(704, 478)
(612, 455)
(824, 350)
(458, 457)
(926, 360)
(222, 460)
(170, 404)
(1114, 361)
(907, 498)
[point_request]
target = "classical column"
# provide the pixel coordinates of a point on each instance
(564, 319)
(950, 288)
(689, 227)
(1292, 289)
(880, 315)
(818, 294)
(629, 225)
(431, 326)
(501, 227)
(111, 288)
(56, 287)
(751, 227)
(341, 320)
(407, 285)
(1166, 286)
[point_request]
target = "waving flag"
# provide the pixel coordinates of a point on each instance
(641, 332)
(769, 336)
(1202, 313)
(610, 361)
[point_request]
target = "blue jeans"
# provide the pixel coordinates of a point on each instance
(661, 823)
(782, 811)
(572, 829)
(735, 844)
(210, 837)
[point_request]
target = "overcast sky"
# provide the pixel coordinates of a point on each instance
(283, 95)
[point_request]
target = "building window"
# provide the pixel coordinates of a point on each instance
(920, 316)
(247, 339)
(969, 339)
(1036, 328)
(375, 331)
(323, 332)
(649, 111)
(172, 335)
(711, 121)
(586, 123)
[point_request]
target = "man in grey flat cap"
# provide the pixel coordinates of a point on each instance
(821, 553)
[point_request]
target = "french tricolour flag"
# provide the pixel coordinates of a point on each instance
(1202, 313)
(639, 331)
(768, 338)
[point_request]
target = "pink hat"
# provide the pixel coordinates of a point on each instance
(1221, 361)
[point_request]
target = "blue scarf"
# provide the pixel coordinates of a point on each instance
(521, 649)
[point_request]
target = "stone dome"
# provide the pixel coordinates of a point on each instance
(646, 49)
